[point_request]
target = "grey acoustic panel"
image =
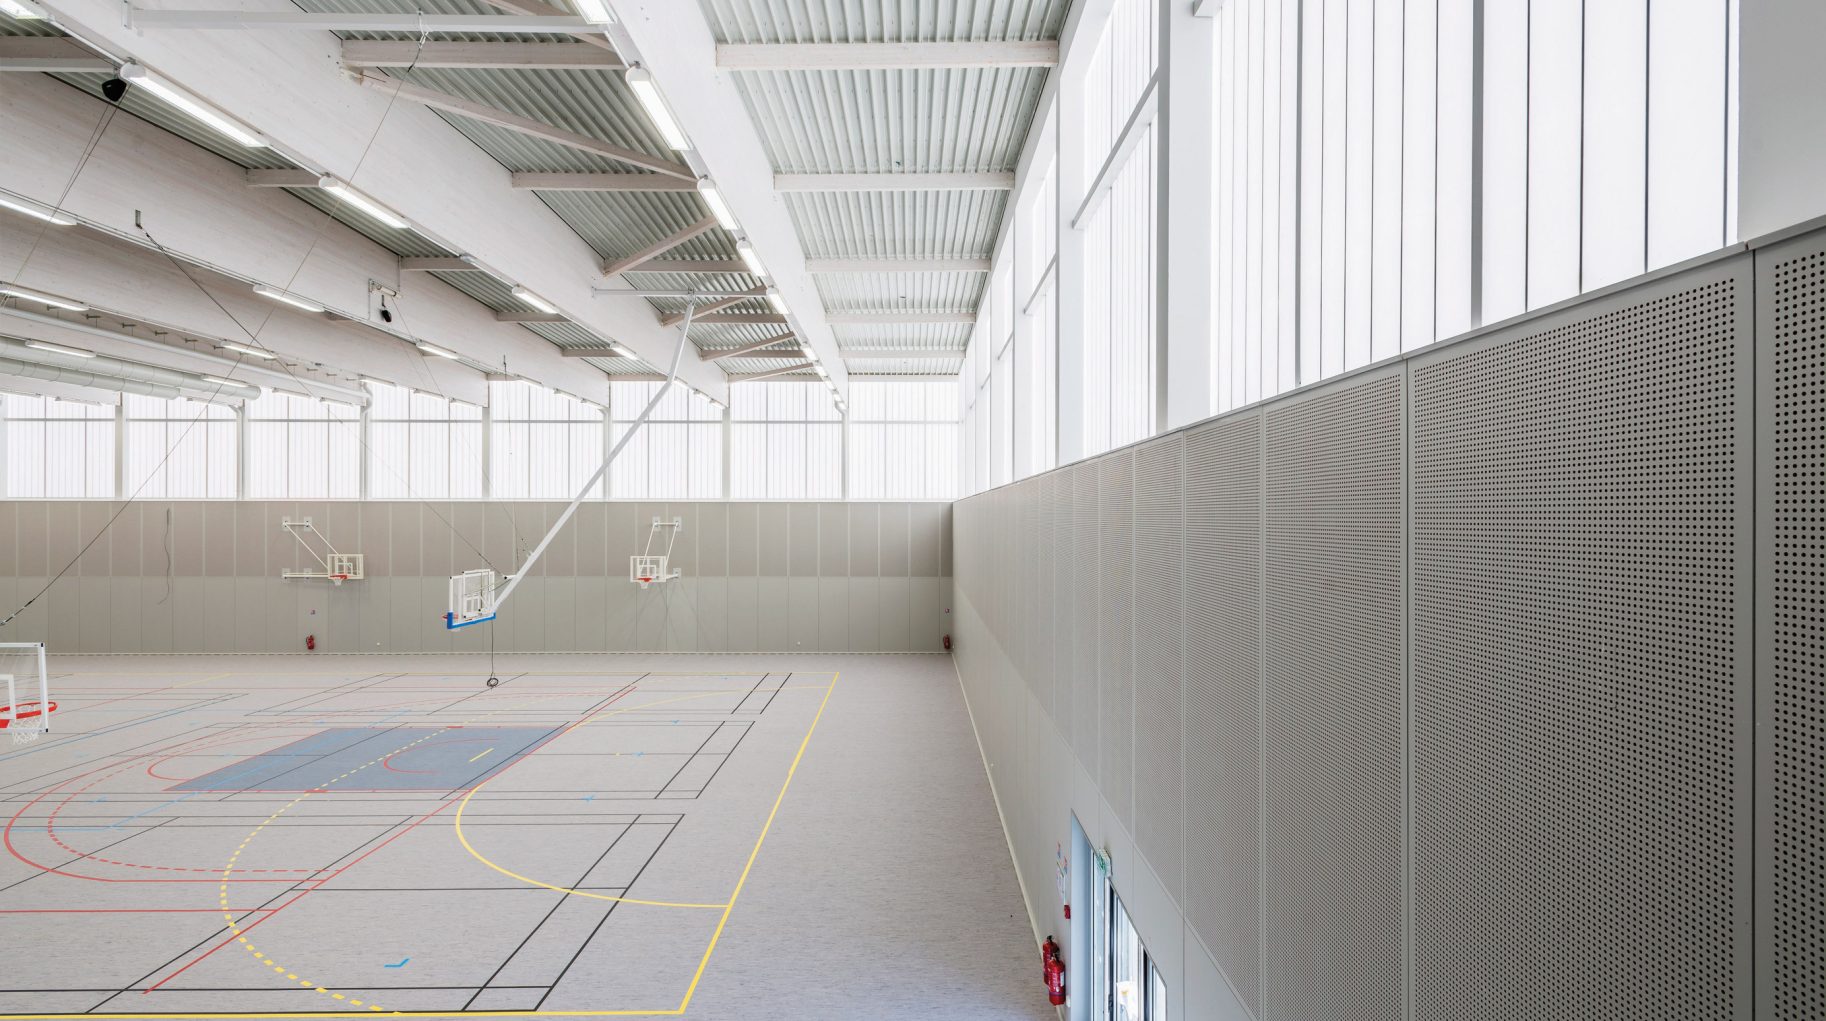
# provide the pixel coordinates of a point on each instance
(1334, 704)
(1086, 585)
(1047, 593)
(1791, 665)
(1159, 632)
(1223, 549)
(1115, 632)
(1579, 678)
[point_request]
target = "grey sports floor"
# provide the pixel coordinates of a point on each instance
(715, 836)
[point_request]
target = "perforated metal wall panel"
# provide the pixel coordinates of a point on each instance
(1580, 634)
(1086, 584)
(1223, 551)
(1334, 703)
(1115, 632)
(1791, 665)
(1159, 631)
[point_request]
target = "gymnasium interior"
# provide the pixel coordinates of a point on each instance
(994, 510)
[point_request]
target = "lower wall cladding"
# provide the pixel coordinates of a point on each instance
(1459, 675)
(205, 577)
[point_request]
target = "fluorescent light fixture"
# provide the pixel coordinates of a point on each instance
(61, 219)
(596, 12)
(644, 90)
(432, 349)
(288, 298)
(253, 352)
(13, 9)
(774, 299)
(351, 197)
(535, 301)
(59, 349)
(42, 298)
(137, 75)
(371, 381)
(221, 381)
(621, 350)
(751, 257)
(714, 199)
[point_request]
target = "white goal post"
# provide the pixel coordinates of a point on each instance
(23, 666)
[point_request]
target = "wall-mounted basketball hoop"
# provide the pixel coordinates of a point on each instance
(651, 568)
(336, 567)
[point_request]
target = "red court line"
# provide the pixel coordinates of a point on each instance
(123, 911)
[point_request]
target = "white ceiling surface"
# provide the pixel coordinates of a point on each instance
(945, 120)
(289, 85)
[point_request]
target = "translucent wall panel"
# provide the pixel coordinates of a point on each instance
(677, 455)
(422, 446)
(786, 443)
(903, 441)
(179, 449)
(543, 445)
(302, 448)
(58, 449)
(1387, 173)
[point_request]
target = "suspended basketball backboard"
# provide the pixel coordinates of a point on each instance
(472, 599)
(336, 567)
(652, 568)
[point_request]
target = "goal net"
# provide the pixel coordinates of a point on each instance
(26, 711)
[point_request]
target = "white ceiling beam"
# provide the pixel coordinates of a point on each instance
(591, 352)
(876, 352)
(743, 319)
(531, 317)
(827, 266)
(715, 306)
(139, 18)
(908, 377)
(674, 43)
(49, 53)
(784, 370)
(437, 263)
(876, 56)
(409, 53)
(750, 349)
(524, 125)
(894, 182)
(528, 181)
(899, 318)
(663, 245)
(199, 207)
(537, 8)
(715, 266)
(284, 179)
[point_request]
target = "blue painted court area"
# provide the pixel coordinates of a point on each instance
(441, 759)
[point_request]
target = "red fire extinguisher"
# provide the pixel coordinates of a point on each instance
(1054, 968)
(310, 642)
(947, 643)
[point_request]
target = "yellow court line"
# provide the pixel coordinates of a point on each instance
(794, 768)
(481, 753)
(457, 822)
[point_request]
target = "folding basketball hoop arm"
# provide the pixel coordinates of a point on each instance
(474, 598)
(337, 567)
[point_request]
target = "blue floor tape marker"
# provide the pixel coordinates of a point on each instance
(401, 964)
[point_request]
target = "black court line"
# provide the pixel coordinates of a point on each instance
(81, 857)
(322, 693)
(606, 915)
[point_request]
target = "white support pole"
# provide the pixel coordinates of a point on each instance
(507, 590)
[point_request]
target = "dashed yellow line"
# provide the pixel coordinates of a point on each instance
(482, 753)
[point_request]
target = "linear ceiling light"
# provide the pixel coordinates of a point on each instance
(290, 299)
(42, 298)
(441, 352)
(535, 301)
(644, 90)
(57, 217)
(778, 302)
(137, 75)
(714, 199)
(367, 205)
(253, 352)
(596, 12)
(751, 257)
(222, 381)
(59, 349)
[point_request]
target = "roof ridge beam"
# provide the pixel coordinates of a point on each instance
(495, 55)
(514, 122)
(661, 246)
(885, 55)
(986, 181)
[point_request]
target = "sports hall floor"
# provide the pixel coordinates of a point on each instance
(712, 836)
